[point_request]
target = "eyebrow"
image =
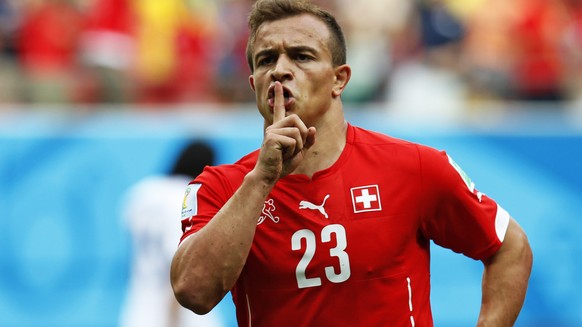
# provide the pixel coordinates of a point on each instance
(291, 49)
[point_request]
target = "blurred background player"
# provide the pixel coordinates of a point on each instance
(151, 213)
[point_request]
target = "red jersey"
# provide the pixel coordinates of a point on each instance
(350, 246)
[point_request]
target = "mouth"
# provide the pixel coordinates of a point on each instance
(288, 98)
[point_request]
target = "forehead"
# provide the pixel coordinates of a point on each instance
(302, 30)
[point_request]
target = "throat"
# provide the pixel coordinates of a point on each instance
(317, 160)
(330, 142)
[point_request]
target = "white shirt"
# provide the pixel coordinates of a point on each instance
(151, 211)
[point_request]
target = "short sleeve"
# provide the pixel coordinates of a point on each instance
(455, 214)
(203, 197)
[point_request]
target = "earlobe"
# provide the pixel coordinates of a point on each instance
(342, 77)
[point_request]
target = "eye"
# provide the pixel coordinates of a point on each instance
(265, 60)
(303, 57)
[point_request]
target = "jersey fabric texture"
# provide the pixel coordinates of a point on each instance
(350, 246)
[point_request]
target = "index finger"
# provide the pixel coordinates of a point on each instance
(279, 104)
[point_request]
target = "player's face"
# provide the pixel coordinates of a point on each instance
(295, 52)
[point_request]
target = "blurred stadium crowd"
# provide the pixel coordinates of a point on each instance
(192, 51)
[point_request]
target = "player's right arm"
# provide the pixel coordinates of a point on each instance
(208, 263)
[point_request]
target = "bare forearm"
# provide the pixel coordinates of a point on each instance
(505, 280)
(208, 263)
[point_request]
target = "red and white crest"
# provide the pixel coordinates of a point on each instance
(366, 198)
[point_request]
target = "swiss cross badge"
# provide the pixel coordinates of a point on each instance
(366, 198)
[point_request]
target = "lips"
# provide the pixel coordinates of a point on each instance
(287, 94)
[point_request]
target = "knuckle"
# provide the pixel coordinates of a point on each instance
(294, 117)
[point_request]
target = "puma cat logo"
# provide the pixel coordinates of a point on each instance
(309, 205)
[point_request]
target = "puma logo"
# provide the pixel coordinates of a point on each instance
(309, 205)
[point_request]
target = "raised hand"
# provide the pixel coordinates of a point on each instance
(285, 141)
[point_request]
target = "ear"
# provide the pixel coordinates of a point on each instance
(342, 77)
(252, 82)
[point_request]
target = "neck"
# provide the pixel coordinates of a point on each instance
(330, 140)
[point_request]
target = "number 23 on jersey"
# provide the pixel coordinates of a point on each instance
(307, 241)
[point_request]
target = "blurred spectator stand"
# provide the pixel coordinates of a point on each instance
(47, 49)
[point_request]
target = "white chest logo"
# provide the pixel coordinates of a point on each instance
(309, 205)
(267, 212)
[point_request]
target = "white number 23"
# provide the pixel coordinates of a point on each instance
(310, 245)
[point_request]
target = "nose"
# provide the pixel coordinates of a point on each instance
(282, 69)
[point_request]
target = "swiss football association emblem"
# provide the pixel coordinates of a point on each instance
(366, 198)
(267, 212)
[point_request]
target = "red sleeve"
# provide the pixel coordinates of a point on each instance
(205, 195)
(455, 214)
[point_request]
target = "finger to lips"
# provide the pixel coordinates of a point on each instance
(279, 106)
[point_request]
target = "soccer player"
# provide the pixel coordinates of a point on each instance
(149, 210)
(329, 224)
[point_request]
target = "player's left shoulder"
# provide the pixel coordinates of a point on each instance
(362, 136)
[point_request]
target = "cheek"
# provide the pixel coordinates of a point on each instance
(321, 87)
(264, 109)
